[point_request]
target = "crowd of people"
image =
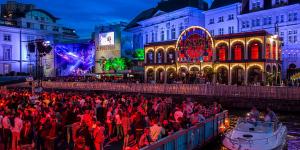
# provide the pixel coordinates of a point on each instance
(114, 79)
(92, 121)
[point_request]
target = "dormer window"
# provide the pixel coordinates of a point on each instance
(278, 2)
(256, 4)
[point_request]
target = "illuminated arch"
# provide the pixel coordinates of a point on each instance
(159, 49)
(255, 65)
(237, 65)
(255, 39)
(221, 42)
(204, 66)
(236, 41)
(149, 68)
(194, 27)
(221, 65)
(149, 49)
(168, 68)
(194, 66)
(160, 67)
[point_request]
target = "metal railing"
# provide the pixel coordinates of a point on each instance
(266, 92)
(193, 137)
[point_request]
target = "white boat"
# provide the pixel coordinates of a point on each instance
(248, 135)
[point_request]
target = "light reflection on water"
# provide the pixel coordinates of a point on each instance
(292, 122)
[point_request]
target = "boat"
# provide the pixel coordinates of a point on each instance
(258, 135)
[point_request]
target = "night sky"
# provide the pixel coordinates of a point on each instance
(84, 15)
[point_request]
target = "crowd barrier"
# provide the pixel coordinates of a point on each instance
(193, 137)
(267, 92)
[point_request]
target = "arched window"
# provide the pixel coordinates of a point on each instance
(160, 57)
(237, 51)
(222, 51)
(171, 56)
(150, 57)
(255, 50)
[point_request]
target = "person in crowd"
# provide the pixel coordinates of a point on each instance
(145, 139)
(118, 119)
(156, 131)
(16, 129)
(7, 135)
(27, 136)
(99, 136)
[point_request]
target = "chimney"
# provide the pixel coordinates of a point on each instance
(245, 6)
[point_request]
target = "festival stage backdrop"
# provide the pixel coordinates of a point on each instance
(74, 59)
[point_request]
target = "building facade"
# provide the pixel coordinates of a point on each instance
(197, 57)
(278, 17)
(21, 24)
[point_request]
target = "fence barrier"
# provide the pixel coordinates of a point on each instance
(193, 137)
(267, 92)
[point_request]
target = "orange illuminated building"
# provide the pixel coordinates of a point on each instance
(242, 58)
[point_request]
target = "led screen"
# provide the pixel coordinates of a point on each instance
(107, 38)
(74, 59)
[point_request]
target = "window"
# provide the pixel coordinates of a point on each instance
(282, 18)
(168, 34)
(56, 29)
(7, 37)
(211, 21)
(42, 18)
(254, 51)
(6, 68)
(155, 36)
(257, 22)
(180, 28)
(221, 19)
(36, 18)
(7, 49)
(277, 19)
(282, 36)
(265, 22)
(42, 27)
(292, 36)
(230, 17)
(256, 4)
(147, 38)
(295, 16)
(221, 31)
(270, 20)
(243, 24)
(212, 32)
(162, 35)
(231, 29)
(28, 25)
(173, 33)
(247, 24)
(152, 37)
(238, 51)
(253, 23)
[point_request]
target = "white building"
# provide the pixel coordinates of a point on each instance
(20, 24)
(222, 18)
(279, 17)
(166, 21)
